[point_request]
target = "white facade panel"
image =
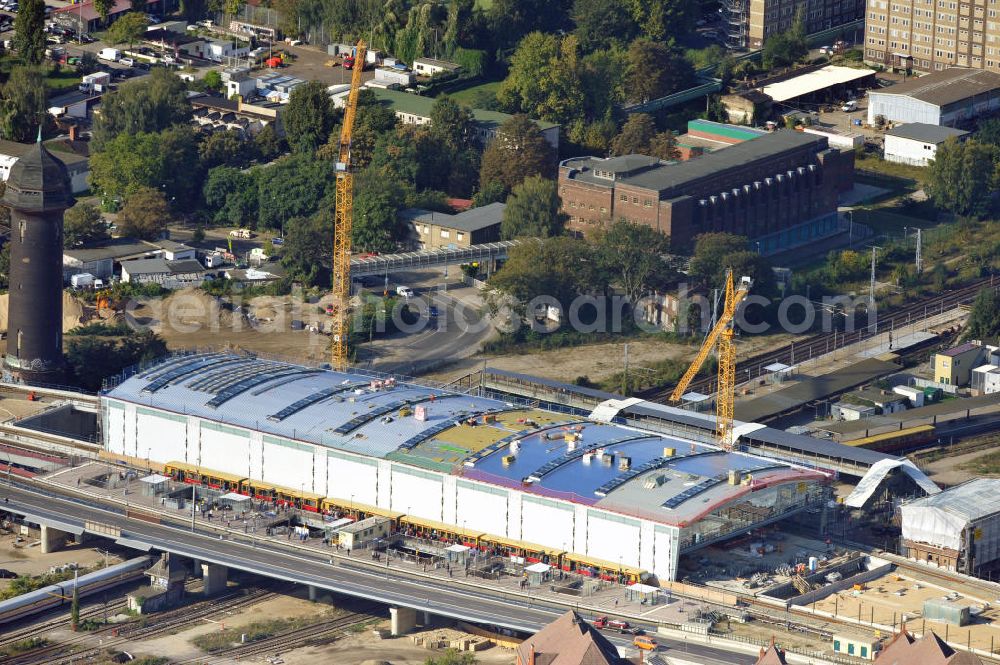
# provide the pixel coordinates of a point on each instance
(384, 484)
(193, 440)
(482, 508)
(114, 427)
(288, 463)
(614, 538)
(900, 108)
(580, 529)
(547, 522)
(665, 553)
(417, 492)
(909, 151)
(225, 449)
(352, 478)
(160, 436)
(646, 541)
(449, 500)
(256, 455)
(130, 430)
(515, 506)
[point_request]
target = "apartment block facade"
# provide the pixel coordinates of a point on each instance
(751, 22)
(778, 190)
(931, 35)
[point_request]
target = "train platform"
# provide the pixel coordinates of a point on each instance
(600, 596)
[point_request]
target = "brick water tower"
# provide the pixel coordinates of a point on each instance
(38, 193)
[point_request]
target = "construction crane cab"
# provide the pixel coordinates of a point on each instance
(720, 338)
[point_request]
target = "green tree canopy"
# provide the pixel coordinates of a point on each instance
(293, 186)
(961, 177)
(519, 151)
(149, 105)
(533, 210)
(83, 224)
(228, 148)
(24, 104)
(544, 80)
(130, 161)
(93, 358)
(231, 196)
(786, 48)
(145, 214)
(984, 319)
(712, 256)
(599, 23)
(309, 117)
(29, 31)
(452, 124)
(103, 9)
(639, 137)
(308, 250)
(631, 255)
(375, 223)
(128, 29)
(655, 70)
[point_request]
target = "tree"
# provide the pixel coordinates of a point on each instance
(145, 214)
(988, 132)
(961, 177)
(87, 64)
(636, 136)
(24, 104)
(83, 224)
(268, 144)
(131, 161)
(150, 105)
(452, 657)
(231, 196)
(533, 210)
(560, 267)
(227, 148)
(601, 22)
(490, 193)
(664, 146)
(308, 249)
(29, 31)
(631, 255)
(375, 222)
(309, 117)
(453, 124)
(785, 48)
(984, 319)
(128, 29)
(544, 80)
(655, 70)
(519, 151)
(213, 80)
(294, 186)
(103, 9)
(711, 257)
(93, 358)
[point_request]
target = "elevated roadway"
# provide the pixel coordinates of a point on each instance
(359, 578)
(388, 263)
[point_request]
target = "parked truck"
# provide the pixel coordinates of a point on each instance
(96, 82)
(109, 54)
(83, 280)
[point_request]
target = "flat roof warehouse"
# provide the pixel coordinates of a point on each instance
(821, 79)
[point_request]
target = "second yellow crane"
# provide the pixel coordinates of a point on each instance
(721, 335)
(343, 221)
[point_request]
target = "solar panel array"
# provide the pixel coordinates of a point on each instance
(552, 465)
(165, 364)
(236, 371)
(309, 400)
(184, 370)
(377, 412)
(623, 478)
(250, 382)
(203, 379)
(693, 491)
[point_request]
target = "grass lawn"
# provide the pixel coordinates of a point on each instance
(905, 174)
(988, 464)
(886, 221)
(468, 95)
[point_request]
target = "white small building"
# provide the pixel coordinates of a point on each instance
(218, 50)
(838, 138)
(986, 380)
(916, 143)
(432, 67)
(857, 646)
(394, 77)
(915, 396)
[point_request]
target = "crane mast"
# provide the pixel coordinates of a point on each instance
(720, 337)
(343, 220)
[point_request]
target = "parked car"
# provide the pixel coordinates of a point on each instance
(433, 311)
(128, 62)
(612, 624)
(645, 643)
(849, 106)
(404, 291)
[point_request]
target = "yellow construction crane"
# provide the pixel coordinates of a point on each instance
(721, 335)
(344, 218)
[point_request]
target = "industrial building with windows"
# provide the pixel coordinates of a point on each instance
(779, 190)
(947, 97)
(579, 492)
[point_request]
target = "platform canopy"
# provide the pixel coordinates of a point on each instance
(458, 549)
(154, 479)
(233, 497)
(538, 568)
(814, 81)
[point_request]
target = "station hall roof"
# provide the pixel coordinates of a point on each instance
(556, 455)
(948, 86)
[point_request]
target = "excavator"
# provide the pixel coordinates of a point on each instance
(720, 336)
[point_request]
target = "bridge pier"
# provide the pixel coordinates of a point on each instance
(196, 568)
(52, 539)
(313, 592)
(215, 578)
(402, 620)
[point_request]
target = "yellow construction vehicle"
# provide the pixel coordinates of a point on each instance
(343, 221)
(722, 336)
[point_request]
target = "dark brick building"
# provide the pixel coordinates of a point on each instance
(779, 190)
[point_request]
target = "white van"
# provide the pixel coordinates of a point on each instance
(404, 291)
(109, 54)
(849, 106)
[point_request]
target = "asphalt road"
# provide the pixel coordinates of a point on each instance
(353, 578)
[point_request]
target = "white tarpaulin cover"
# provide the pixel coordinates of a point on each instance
(878, 472)
(606, 411)
(942, 518)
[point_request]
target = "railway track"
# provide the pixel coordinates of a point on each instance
(293, 639)
(822, 343)
(87, 612)
(79, 647)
